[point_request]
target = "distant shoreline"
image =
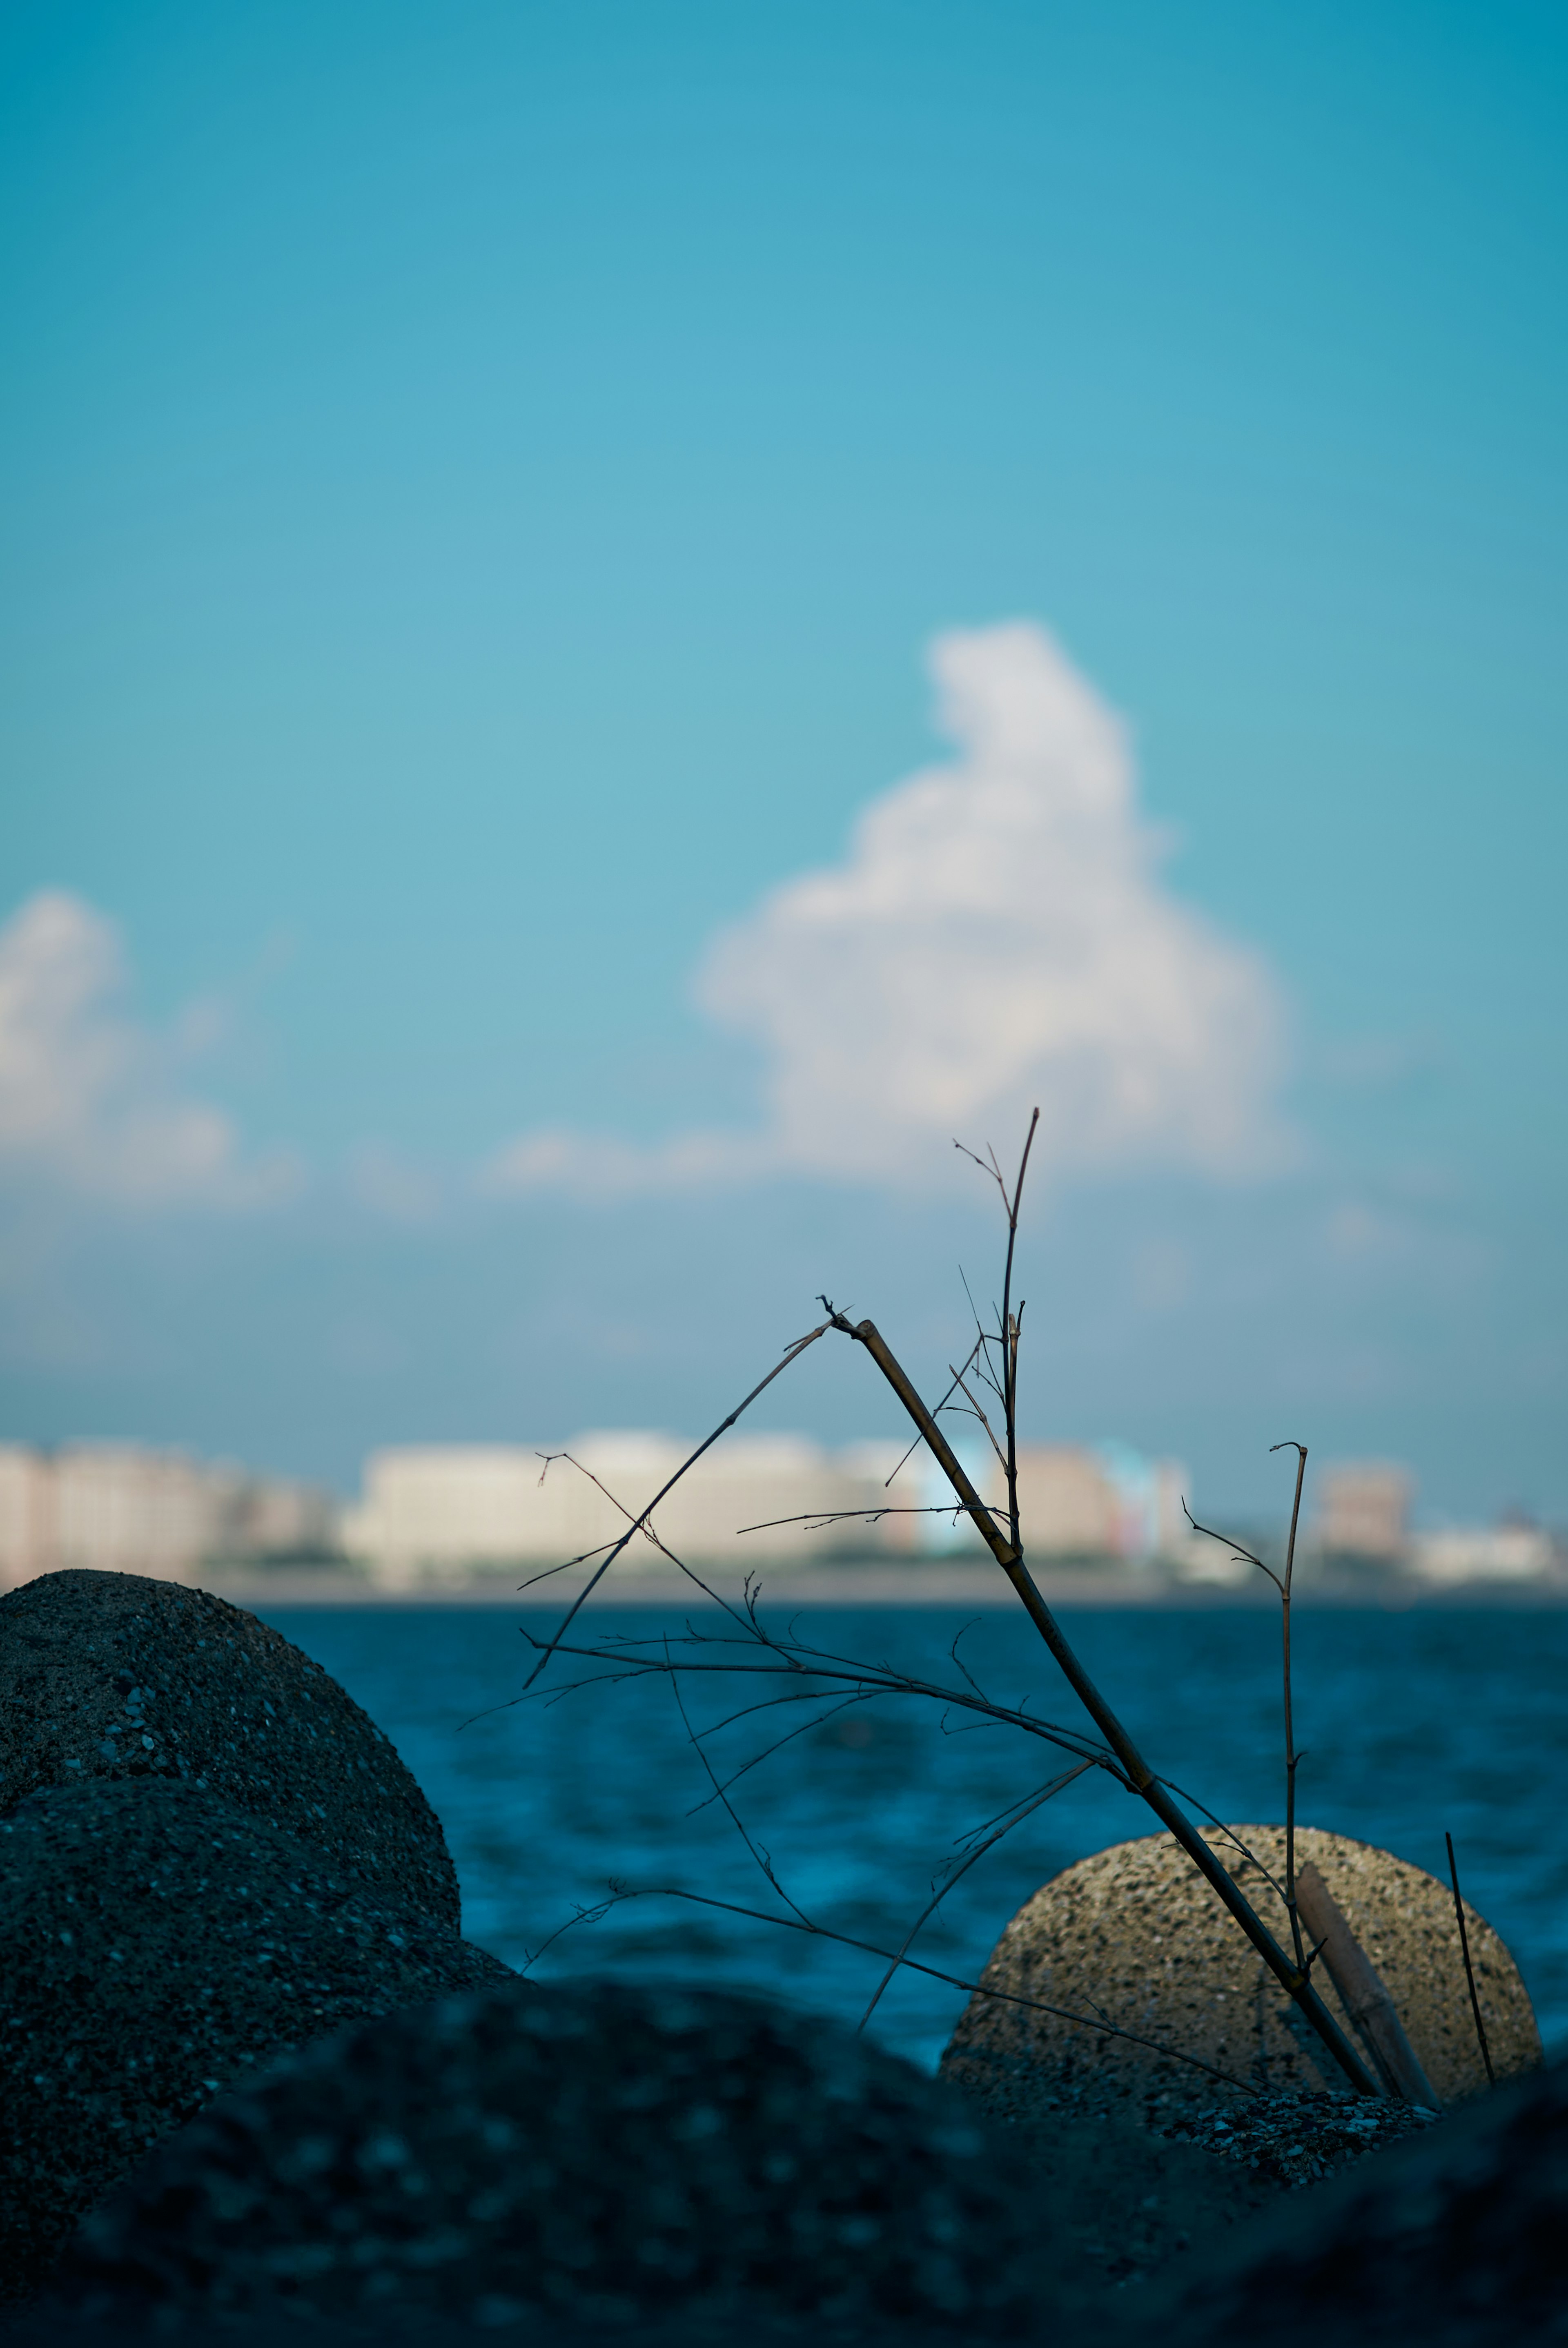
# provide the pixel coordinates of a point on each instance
(874, 1586)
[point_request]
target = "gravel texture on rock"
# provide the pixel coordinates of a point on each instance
(1457, 2239)
(1293, 2141)
(590, 2155)
(1135, 1938)
(155, 1945)
(114, 1675)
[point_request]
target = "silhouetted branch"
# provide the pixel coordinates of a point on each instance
(1292, 1758)
(994, 1358)
(791, 1353)
(1096, 2021)
(798, 1661)
(1469, 1969)
(1009, 1554)
(960, 1870)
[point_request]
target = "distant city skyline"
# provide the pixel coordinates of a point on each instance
(620, 623)
(471, 1516)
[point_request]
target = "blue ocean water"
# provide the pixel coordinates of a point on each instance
(1413, 1723)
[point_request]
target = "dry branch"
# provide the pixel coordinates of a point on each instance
(1468, 1968)
(1142, 1779)
(1363, 1992)
(1098, 2022)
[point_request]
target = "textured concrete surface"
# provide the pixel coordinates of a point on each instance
(1134, 1937)
(1456, 2239)
(114, 1675)
(155, 1945)
(590, 2154)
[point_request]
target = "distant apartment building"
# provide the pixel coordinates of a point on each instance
(1491, 1553)
(27, 1513)
(447, 1508)
(1363, 1511)
(1105, 1500)
(118, 1508)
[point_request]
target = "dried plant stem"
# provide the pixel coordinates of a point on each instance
(1364, 1993)
(1468, 1968)
(962, 1868)
(1095, 2021)
(1291, 1757)
(1008, 1553)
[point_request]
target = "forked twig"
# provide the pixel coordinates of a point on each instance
(640, 1524)
(764, 1859)
(959, 1873)
(1293, 1759)
(796, 1661)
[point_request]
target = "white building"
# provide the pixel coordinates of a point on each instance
(118, 1508)
(1490, 1553)
(26, 1514)
(446, 1509)
(126, 1511)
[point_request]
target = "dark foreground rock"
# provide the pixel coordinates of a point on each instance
(116, 1676)
(155, 1946)
(1458, 2239)
(557, 2158)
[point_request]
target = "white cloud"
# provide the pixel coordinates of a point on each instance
(90, 1099)
(999, 935)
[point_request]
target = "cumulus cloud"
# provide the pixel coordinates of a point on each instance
(90, 1099)
(999, 935)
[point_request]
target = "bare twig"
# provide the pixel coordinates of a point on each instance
(816, 1517)
(984, 1422)
(1009, 1335)
(960, 1870)
(1292, 1758)
(796, 1660)
(1095, 2021)
(764, 1859)
(791, 1353)
(803, 1729)
(1229, 1833)
(1468, 1968)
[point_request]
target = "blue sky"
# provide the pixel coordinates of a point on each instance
(482, 486)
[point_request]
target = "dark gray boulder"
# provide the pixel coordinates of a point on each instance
(113, 1675)
(586, 2155)
(1458, 2239)
(155, 1946)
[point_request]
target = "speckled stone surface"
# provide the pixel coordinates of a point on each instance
(155, 1945)
(115, 1675)
(594, 2155)
(1136, 1936)
(1456, 2239)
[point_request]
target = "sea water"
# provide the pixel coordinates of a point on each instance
(559, 1807)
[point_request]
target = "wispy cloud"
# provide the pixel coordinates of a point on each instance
(92, 1100)
(1000, 933)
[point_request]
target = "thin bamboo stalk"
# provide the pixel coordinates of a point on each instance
(1363, 1991)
